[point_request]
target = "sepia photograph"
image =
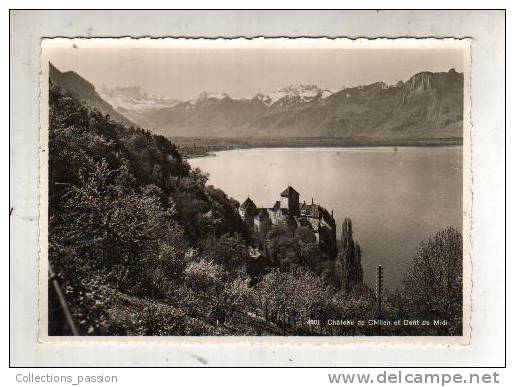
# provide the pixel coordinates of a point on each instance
(255, 187)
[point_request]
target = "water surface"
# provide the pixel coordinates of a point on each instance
(395, 198)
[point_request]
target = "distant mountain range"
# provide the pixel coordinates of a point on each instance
(428, 105)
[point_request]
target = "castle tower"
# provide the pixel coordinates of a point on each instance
(248, 211)
(290, 201)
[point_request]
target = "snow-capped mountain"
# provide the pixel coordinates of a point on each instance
(265, 99)
(134, 102)
(134, 98)
(286, 96)
(297, 94)
(216, 113)
(426, 105)
(211, 95)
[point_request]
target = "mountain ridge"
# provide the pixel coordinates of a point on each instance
(427, 105)
(85, 92)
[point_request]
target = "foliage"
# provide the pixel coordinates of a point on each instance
(433, 286)
(127, 215)
(294, 296)
(350, 257)
(125, 210)
(152, 321)
(228, 250)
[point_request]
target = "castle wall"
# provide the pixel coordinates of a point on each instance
(287, 212)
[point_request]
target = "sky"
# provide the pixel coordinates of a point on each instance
(183, 73)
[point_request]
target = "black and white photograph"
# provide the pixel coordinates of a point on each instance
(262, 187)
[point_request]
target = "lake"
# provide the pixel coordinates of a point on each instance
(395, 197)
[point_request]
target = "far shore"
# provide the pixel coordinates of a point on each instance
(194, 147)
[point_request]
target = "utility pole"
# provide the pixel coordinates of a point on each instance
(52, 278)
(379, 295)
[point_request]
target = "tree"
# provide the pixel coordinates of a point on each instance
(227, 250)
(205, 277)
(311, 297)
(433, 285)
(350, 256)
(276, 293)
(238, 296)
(292, 296)
(113, 224)
(282, 246)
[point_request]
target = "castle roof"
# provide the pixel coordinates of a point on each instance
(289, 192)
(248, 204)
(317, 211)
(311, 210)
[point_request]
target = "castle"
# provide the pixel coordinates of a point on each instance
(288, 211)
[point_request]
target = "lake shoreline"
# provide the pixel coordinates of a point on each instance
(396, 199)
(192, 147)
